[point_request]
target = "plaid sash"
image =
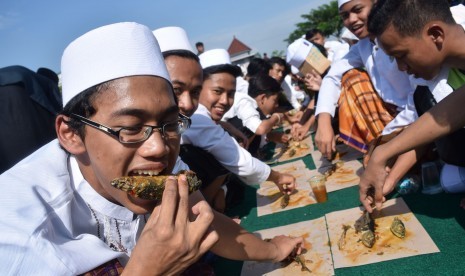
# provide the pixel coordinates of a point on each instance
(362, 113)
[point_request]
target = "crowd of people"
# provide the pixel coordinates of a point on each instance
(151, 105)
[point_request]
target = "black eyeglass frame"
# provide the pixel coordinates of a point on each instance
(186, 121)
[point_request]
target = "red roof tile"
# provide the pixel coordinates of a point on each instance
(237, 47)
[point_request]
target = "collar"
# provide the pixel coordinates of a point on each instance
(94, 199)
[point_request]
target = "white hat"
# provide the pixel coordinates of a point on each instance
(172, 38)
(341, 2)
(107, 53)
(453, 179)
(214, 57)
(297, 52)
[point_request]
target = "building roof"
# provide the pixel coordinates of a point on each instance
(237, 47)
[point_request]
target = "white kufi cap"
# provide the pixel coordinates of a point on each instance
(107, 53)
(341, 2)
(172, 38)
(297, 51)
(214, 57)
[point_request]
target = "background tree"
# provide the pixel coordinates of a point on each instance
(325, 17)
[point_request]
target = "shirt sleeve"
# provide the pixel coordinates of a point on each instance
(405, 117)
(205, 134)
(330, 89)
(248, 114)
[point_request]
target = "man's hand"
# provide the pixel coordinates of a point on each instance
(170, 241)
(286, 246)
(313, 81)
(285, 182)
(299, 131)
(372, 182)
(324, 137)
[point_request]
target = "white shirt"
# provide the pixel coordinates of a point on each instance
(458, 12)
(245, 108)
(242, 86)
(206, 134)
(292, 95)
(332, 47)
(392, 85)
(47, 226)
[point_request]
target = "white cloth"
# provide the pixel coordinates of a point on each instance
(242, 86)
(392, 85)
(47, 227)
(333, 47)
(205, 134)
(458, 12)
(245, 108)
(293, 96)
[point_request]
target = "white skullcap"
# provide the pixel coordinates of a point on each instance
(214, 57)
(107, 53)
(172, 38)
(297, 51)
(341, 2)
(453, 179)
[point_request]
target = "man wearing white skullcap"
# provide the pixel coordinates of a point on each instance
(65, 217)
(207, 139)
(120, 118)
(372, 103)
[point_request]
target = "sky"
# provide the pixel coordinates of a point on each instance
(35, 33)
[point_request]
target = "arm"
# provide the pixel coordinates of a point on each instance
(205, 134)
(444, 118)
(328, 97)
(238, 244)
(267, 125)
(299, 130)
(234, 132)
(324, 137)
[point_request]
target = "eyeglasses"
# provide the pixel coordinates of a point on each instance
(137, 134)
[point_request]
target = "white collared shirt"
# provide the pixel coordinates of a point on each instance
(392, 85)
(244, 108)
(206, 134)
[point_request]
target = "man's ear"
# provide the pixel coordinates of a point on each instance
(260, 99)
(68, 137)
(436, 33)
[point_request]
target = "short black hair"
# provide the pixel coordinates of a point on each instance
(408, 17)
(258, 66)
(277, 60)
(198, 44)
(82, 104)
(312, 32)
(181, 53)
(263, 84)
(222, 68)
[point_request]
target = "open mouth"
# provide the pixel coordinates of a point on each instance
(144, 172)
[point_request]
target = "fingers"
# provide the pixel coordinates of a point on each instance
(298, 242)
(169, 203)
(365, 198)
(200, 229)
(379, 198)
(183, 206)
